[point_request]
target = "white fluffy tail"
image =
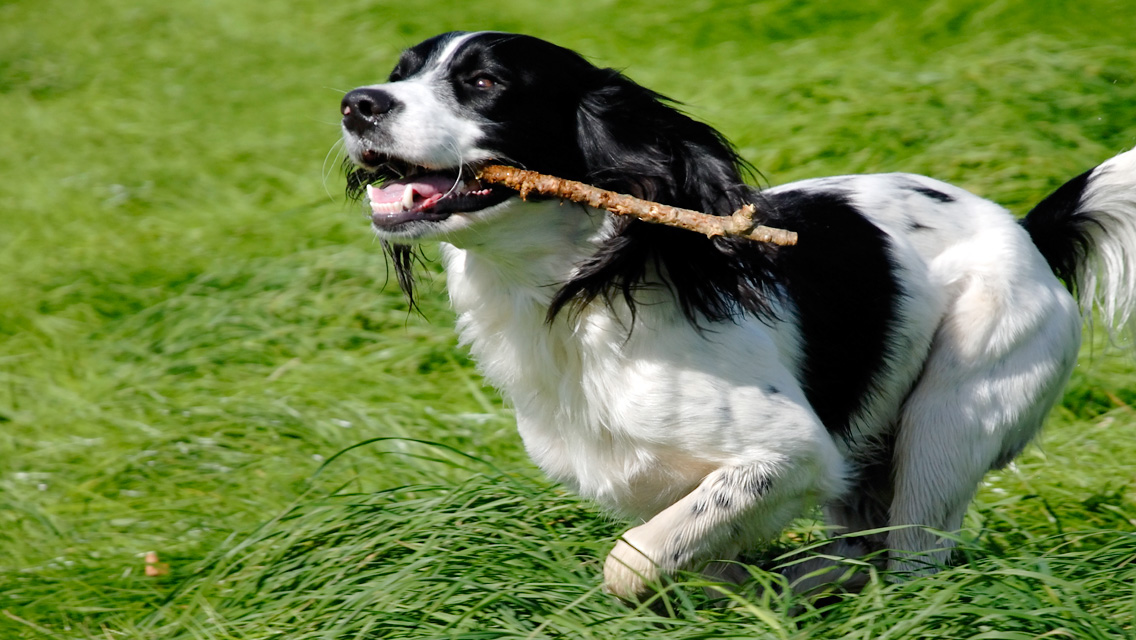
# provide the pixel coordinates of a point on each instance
(1087, 231)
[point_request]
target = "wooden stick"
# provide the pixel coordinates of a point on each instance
(739, 224)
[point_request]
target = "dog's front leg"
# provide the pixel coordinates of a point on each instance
(731, 510)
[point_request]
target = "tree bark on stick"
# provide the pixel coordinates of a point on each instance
(739, 224)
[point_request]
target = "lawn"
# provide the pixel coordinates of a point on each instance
(201, 355)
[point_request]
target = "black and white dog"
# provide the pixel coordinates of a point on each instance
(712, 389)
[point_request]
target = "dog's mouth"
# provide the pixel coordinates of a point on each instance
(400, 194)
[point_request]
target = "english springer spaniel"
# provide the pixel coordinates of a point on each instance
(713, 389)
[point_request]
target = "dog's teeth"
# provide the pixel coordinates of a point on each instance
(408, 198)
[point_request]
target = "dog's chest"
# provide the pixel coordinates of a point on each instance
(590, 415)
(633, 420)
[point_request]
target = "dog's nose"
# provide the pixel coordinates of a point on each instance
(363, 108)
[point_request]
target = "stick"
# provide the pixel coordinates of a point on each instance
(739, 224)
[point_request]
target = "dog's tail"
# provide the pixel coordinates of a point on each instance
(1087, 232)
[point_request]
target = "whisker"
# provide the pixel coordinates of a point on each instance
(334, 154)
(461, 168)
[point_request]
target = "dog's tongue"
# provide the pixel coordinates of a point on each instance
(419, 191)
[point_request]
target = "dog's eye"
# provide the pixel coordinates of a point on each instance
(483, 82)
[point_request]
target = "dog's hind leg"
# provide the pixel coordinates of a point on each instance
(998, 362)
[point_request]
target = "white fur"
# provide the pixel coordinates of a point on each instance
(1110, 283)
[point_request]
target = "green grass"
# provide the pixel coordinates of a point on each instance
(192, 321)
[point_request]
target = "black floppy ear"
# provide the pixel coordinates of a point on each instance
(635, 141)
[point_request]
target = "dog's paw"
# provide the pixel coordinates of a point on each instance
(629, 574)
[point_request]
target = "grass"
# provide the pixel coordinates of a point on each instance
(193, 322)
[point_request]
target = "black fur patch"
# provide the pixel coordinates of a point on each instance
(840, 276)
(722, 499)
(1059, 232)
(635, 141)
(933, 194)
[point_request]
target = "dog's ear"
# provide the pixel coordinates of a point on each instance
(636, 141)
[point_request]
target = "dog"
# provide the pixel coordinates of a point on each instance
(714, 389)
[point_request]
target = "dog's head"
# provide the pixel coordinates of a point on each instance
(461, 100)
(452, 103)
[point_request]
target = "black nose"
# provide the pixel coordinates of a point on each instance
(363, 108)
